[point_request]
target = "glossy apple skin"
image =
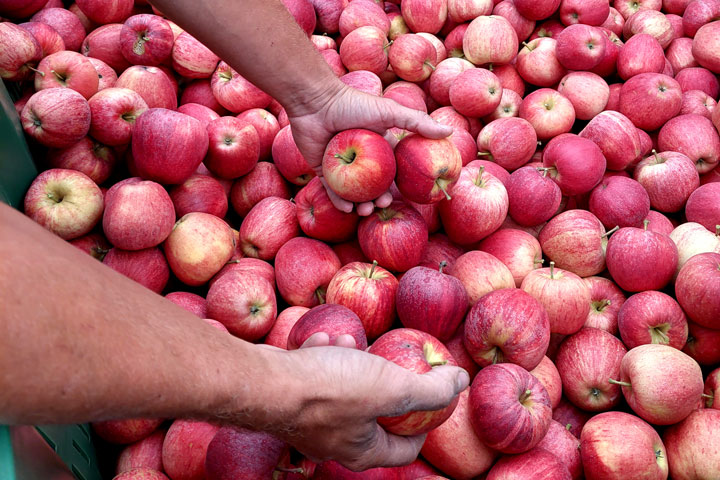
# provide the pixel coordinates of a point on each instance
(424, 16)
(481, 273)
(702, 206)
(533, 196)
(318, 217)
(146, 39)
(358, 165)
(146, 453)
(668, 178)
(263, 181)
(580, 47)
(537, 63)
(431, 301)
(455, 448)
(303, 270)
(498, 136)
(233, 148)
(87, 156)
(548, 121)
(335, 320)
(587, 91)
(267, 227)
(694, 136)
(652, 317)
(426, 168)
(650, 99)
(200, 91)
(113, 115)
(138, 214)
(521, 318)
(56, 117)
(153, 85)
(643, 55)
(564, 295)
(369, 292)
(697, 289)
(666, 384)
(200, 193)
(67, 69)
(574, 176)
(67, 24)
(475, 92)
(537, 463)
(691, 448)
(490, 39)
(518, 250)
(500, 419)
(148, 267)
(692, 238)
(241, 453)
(288, 159)
(234, 92)
(703, 344)
(620, 201)
(419, 352)
(394, 236)
(574, 241)
(606, 299)
(192, 59)
(640, 259)
(617, 445)
(412, 57)
(168, 146)
(185, 448)
(365, 49)
(585, 361)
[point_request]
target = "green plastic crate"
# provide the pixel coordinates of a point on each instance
(72, 443)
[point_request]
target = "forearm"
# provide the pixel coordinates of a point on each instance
(80, 342)
(260, 39)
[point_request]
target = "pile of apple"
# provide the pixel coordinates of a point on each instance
(562, 245)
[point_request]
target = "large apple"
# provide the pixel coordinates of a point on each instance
(427, 169)
(641, 54)
(533, 196)
(549, 112)
(691, 447)
(113, 115)
(650, 99)
(365, 48)
(669, 179)
(303, 269)
(270, 224)
(67, 69)
(575, 240)
(705, 46)
(575, 163)
(146, 39)
(694, 136)
(580, 47)
(56, 117)
(587, 91)
(66, 23)
(192, 59)
(652, 317)
(510, 142)
(234, 147)
(518, 250)
(698, 291)
(490, 39)
(620, 201)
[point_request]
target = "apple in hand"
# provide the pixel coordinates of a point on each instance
(617, 446)
(509, 408)
(431, 301)
(660, 383)
(66, 202)
(698, 291)
(606, 299)
(507, 325)
(56, 117)
(419, 352)
(335, 320)
(427, 169)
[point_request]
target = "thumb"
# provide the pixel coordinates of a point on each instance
(432, 390)
(415, 121)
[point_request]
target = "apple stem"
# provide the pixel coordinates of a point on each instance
(320, 294)
(388, 44)
(526, 394)
(489, 67)
(601, 306)
(618, 382)
(525, 44)
(482, 154)
(552, 269)
(705, 395)
(438, 363)
(545, 170)
(289, 470)
(432, 67)
(443, 264)
(442, 188)
(538, 262)
(372, 269)
(42, 74)
(611, 231)
(657, 157)
(717, 230)
(568, 427)
(646, 222)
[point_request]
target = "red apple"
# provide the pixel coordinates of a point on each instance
(263, 181)
(691, 239)
(192, 59)
(304, 268)
(66, 23)
(249, 265)
(266, 126)
(191, 302)
(46, 36)
(588, 93)
(419, 352)
(303, 13)
(318, 217)
(537, 62)
(613, 132)
(694, 136)
(427, 169)
(199, 193)
(507, 325)
(509, 106)
(575, 240)
(125, 431)
(475, 92)
(698, 102)
(21, 8)
(481, 273)
(540, 463)
(424, 15)
(67, 69)
(575, 163)
(652, 317)
(199, 112)
(267, 227)
(101, 12)
(365, 81)
(328, 14)
(534, 198)
(702, 206)
(335, 320)
(565, 446)
(365, 48)
(454, 41)
(549, 112)
(146, 453)
(153, 85)
(548, 375)
(669, 179)
(94, 244)
(57, 118)
(234, 92)
(288, 159)
(146, 39)
(148, 267)
(490, 39)
(103, 43)
(698, 79)
(114, 111)
(696, 289)
(91, 158)
(66, 202)
(705, 46)
(518, 250)
(650, 99)
(617, 445)
(606, 299)
(278, 334)
(200, 91)
(580, 47)
(588, 12)
(615, 22)
(703, 344)
(234, 147)
(620, 201)
(412, 57)
(241, 453)
(185, 448)
(509, 408)
(691, 449)
(460, 11)
(698, 14)
(523, 26)
(510, 142)
(571, 417)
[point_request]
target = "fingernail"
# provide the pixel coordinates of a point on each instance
(462, 381)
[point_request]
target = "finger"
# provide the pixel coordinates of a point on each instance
(339, 203)
(433, 390)
(416, 121)
(389, 451)
(384, 200)
(319, 339)
(366, 208)
(345, 340)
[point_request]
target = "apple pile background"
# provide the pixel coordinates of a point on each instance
(579, 244)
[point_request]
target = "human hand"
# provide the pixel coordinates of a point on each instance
(343, 392)
(343, 108)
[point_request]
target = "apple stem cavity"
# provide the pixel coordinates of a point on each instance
(348, 158)
(619, 382)
(611, 231)
(525, 395)
(705, 395)
(600, 306)
(443, 264)
(320, 294)
(717, 230)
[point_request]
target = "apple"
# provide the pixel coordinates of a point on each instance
(148, 267)
(698, 14)
(407, 94)
(669, 179)
(263, 181)
(475, 92)
(617, 445)
(103, 12)
(233, 149)
(696, 289)
(614, 134)
(249, 265)
(460, 11)
(533, 197)
(679, 54)
(518, 250)
(424, 15)
(537, 62)
(289, 161)
(107, 78)
(67, 69)
(113, 115)
(303, 13)
(412, 57)
(705, 44)
(606, 299)
(698, 79)
(509, 408)
(691, 449)
(103, 43)
(440, 249)
(649, 100)
(240, 453)
(168, 146)
(362, 14)
(580, 47)
(318, 218)
(244, 302)
(703, 344)
(565, 446)
(538, 462)
(702, 206)
(146, 39)
(365, 48)
(335, 320)
(266, 126)
(571, 417)
(454, 448)
(153, 85)
(698, 102)
(125, 431)
(185, 448)
(278, 334)
(509, 105)
(234, 92)
(588, 93)
(91, 158)
(94, 244)
(358, 165)
(537, 10)
(303, 269)
(418, 352)
(620, 201)
(200, 91)
(21, 8)
(66, 202)
(608, 64)
(548, 375)
(692, 238)
(510, 142)
(365, 81)
(199, 193)
(66, 23)
(191, 302)
(369, 291)
(575, 240)
(475, 191)
(427, 169)
(47, 37)
(507, 325)
(323, 42)
(588, 12)
(267, 227)
(615, 22)
(575, 163)
(57, 118)
(490, 39)
(703, 147)
(652, 317)
(549, 112)
(454, 41)
(710, 177)
(480, 273)
(522, 26)
(192, 59)
(146, 453)
(328, 14)
(199, 112)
